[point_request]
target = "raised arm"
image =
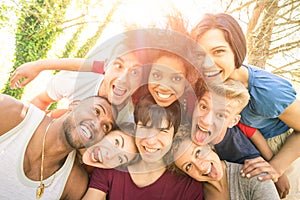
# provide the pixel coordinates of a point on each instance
(28, 71)
(290, 151)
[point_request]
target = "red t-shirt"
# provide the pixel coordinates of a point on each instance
(170, 186)
(247, 130)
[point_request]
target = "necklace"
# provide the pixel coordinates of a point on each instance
(40, 189)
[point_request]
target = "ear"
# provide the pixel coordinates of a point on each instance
(234, 121)
(73, 104)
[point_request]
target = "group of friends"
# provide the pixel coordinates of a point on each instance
(164, 114)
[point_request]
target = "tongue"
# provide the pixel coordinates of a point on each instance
(200, 136)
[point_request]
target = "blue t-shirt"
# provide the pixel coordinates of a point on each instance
(236, 147)
(270, 95)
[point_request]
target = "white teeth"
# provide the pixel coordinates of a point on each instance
(119, 91)
(86, 132)
(213, 73)
(202, 129)
(150, 150)
(208, 170)
(93, 157)
(164, 96)
(99, 156)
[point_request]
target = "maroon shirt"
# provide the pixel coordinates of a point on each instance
(170, 186)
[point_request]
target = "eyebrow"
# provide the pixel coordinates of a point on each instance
(123, 60)
(219, 47)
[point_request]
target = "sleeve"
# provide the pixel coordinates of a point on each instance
(98, 67)
(247, 130)
(257, 188)
(270, 94)
(100, 180)
(62, 85)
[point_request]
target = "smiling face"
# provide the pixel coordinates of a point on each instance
(221, 53)
(122, 78)
(199, 162)
(89, 121)
(154, 142)
(167, 79)
(211, 118)
(115, 149)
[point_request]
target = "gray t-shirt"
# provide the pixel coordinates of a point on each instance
(241, 188)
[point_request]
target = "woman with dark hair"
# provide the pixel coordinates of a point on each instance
(273, 108)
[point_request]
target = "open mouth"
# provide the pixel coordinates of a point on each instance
(86, 131)
(118, 91)
(97, 156)
(208, 171)
(150, 150)
(201, 134)
(211, 74)
(163, 96)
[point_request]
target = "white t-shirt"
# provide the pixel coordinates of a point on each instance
(80, 85)
(14, 184)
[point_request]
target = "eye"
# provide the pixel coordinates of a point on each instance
(106, 128)
(156, 75)
(220, 115)
(97, 111)
(177, 78)
(188, 167)
(117, 143)
(117, 65)
(135, 72)
(120, 159)
(197, 154)
(202, 106)
(218, 51)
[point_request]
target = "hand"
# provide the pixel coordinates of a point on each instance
(24, 74)
(256, 166)
(283, 186)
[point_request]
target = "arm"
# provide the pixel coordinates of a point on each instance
(28, 71)
(282, 185)
(93, 193)
(290, 151)
(42, 101)
(261, 144)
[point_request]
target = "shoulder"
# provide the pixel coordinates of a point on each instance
(12, 112)
(77, 182)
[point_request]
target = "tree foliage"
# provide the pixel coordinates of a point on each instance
(272, 33)
(37, 28)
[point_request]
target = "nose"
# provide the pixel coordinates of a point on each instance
(208, 62)
(123, 76)
(151, 135)
(110, 154)
(202, 165)
(207, 118)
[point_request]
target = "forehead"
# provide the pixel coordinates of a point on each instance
(98, 101)
(167, 63)
(214, 99)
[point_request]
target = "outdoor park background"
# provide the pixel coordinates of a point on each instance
(31, 30)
